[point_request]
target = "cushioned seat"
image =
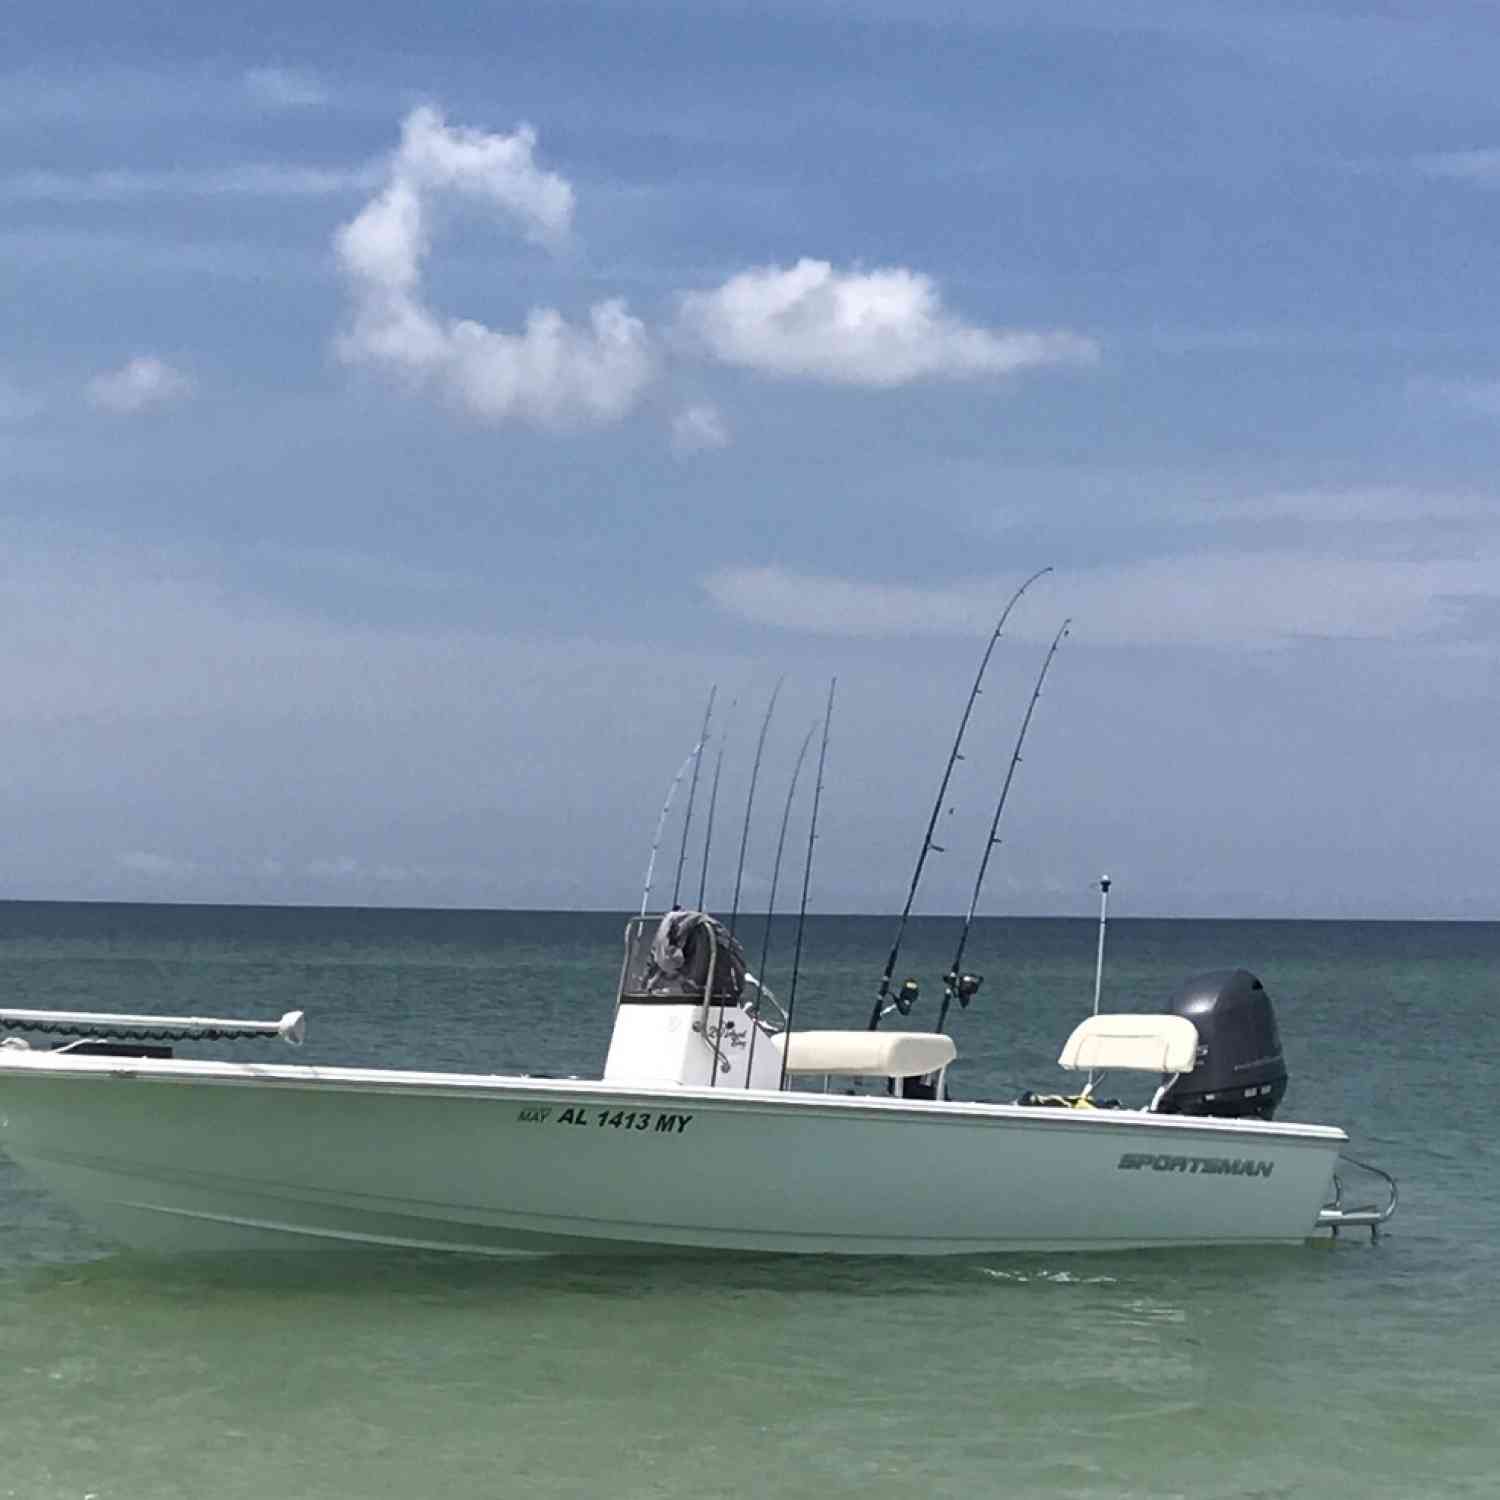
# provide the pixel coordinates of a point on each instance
(1149, 1044)
(885, 1054)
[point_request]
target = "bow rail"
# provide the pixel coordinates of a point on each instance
(291, 1028)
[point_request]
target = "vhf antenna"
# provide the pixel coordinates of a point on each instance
(1104, 884)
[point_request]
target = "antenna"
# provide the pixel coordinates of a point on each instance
(812, 835)
(956, 984)
(687, 821)
(1104, 884)
(954, 756)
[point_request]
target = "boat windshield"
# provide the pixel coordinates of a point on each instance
(683, 954)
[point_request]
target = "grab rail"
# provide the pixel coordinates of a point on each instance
(1371, 1216)
(291, 1028)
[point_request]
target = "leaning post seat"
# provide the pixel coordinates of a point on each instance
(1145, 1044)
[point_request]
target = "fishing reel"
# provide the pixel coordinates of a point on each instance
(963, 986)
(906, 996)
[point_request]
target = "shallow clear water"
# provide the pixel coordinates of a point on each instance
(1338, 1369)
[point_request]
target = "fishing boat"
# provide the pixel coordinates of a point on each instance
(712, 1128)
(717, 1124)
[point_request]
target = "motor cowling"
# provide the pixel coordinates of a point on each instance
(1241, 1072)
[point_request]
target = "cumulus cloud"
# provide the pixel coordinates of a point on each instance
(1178, 600)
(140, 384)
(885, 327)
(388, 240)
(285, 88)
(700, 428)
(552, 373)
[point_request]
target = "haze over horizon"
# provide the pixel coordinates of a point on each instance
(406, 417)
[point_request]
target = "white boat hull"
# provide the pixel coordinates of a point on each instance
(193, 1156)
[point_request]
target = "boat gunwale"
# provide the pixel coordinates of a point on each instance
(311, 1078)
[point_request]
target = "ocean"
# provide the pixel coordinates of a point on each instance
(1345, 1368)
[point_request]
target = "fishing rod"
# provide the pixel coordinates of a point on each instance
(661, 824)
(812, 835)
(956, 984)
(713, 803)
(739, 873)
(687, 821)
(760, 745)
(765, 946)
(908, 992)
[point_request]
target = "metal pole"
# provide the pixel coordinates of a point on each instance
(1099, 961)
(1103, 918)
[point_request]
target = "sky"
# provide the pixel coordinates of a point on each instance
(409, 414)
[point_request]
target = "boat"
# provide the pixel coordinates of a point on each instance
(714, 1126)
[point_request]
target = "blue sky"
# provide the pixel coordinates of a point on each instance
(406, 416)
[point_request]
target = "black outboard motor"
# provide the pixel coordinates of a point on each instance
(1241, 1073)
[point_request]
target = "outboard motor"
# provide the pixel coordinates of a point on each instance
(1241, 1072)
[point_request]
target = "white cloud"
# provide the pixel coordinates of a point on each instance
(442, 751)
(1480, 166)
(700, 428)
(876, 328)
(553, 373)
(1207, 599)
(143, 382)
(285, 88)
(158, 866)
(387, 241)
(244, 180)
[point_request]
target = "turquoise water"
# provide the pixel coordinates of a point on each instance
(1338, 1369)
